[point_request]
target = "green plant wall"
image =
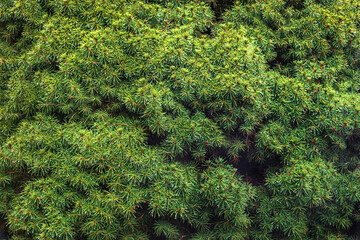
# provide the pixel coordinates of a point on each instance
(142, 119)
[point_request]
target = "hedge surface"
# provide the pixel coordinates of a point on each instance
(140, 119)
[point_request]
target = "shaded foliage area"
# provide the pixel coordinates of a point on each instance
(179, 119)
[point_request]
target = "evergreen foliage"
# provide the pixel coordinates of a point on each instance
(131, 119)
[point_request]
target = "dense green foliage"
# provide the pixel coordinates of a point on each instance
(131, 119)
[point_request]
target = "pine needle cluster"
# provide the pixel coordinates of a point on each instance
(128, 119)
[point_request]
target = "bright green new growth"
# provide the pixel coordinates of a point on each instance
(128, 119)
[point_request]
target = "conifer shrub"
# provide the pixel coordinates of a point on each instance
(139, 119)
